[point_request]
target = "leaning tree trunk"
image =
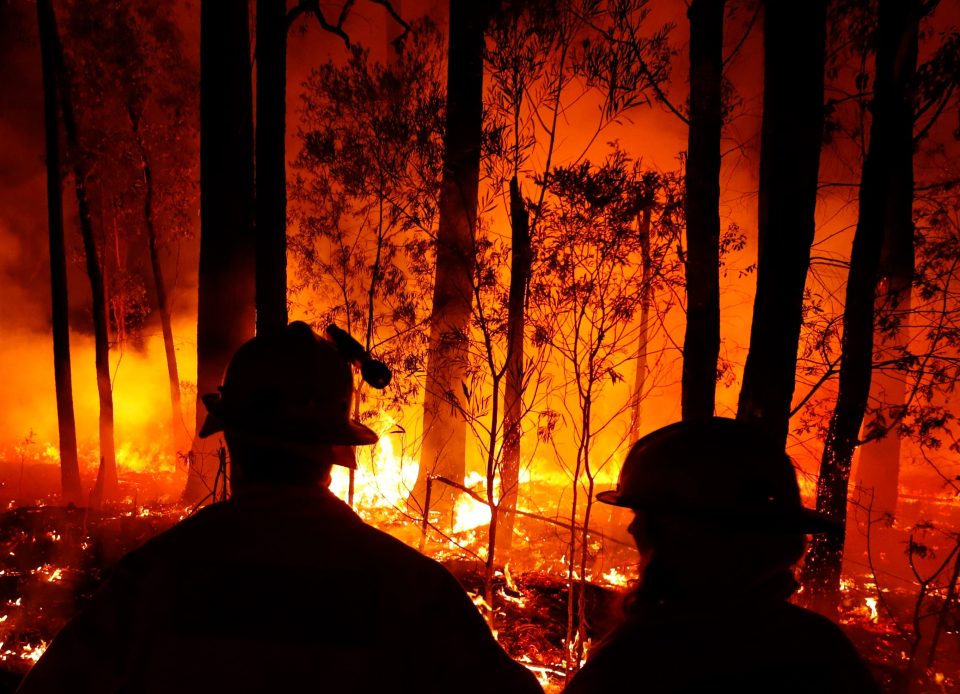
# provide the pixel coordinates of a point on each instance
(177, 429)
(225, 311)
(106, 484)
(444, 428)
(891, 137)
(701, 341)
(520, 261)
(271, 182)
(790, 139)
(70, 486)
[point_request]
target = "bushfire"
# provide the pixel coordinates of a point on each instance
(561, 225)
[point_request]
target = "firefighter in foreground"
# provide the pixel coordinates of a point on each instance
(719, 526)
(282, 588)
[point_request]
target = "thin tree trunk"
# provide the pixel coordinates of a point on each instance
(640, 378)
(225, 311)
(891, 134)
(271, 182)
(790, 140)
(701, 341)
(520, 261)
(444, 439)
(106, 484)
(70, 486)
(177, 429)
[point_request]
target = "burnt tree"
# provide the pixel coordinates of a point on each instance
(70, 487)
(521, 258)
(225, 310)
(881, 189)
(790, 140)
(443, 450)
(106, 484)
(156, 268)
(701, 340)
(271, 181)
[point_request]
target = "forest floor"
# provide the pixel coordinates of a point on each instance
(53, 558)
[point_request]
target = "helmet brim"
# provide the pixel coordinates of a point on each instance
(800, 520)
(312, 431)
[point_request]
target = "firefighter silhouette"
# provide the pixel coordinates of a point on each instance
(719, 525)
(283, 587)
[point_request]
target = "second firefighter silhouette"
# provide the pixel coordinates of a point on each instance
(719, 526)
(283, 587)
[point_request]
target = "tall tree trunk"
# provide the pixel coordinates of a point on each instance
(106, 484)
(891, 139)
(520, 261)
(177, 429)
(271, 182)
(643, 339)
(444, 428)
(70, 486)
(790, 140)
(879, 459)
(225, 311)
(701, 341)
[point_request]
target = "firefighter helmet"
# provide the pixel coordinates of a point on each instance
(294, 388)
(720, 470)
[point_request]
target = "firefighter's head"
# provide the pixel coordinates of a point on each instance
(285, 408)
(717, 493)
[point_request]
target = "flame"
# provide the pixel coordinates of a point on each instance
(615, 578)
(468, 513)
(29, 652)
(383, 478)
(871, 604)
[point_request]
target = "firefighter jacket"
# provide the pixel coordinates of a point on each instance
(747, 644)
(280, 589)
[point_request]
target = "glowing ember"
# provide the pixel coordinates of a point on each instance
(33, 653)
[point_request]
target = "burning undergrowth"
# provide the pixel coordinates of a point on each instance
(52, 559)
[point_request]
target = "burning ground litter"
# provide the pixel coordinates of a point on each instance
(53, 558)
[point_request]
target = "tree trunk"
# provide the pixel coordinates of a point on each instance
(640, 378)
(177, 428)
(444, 428)
(891, 138)
(790, 140)
(701, 341)
(271, 182)
(70, 486)
(879, 459)
(225, 311)
(520, 261)
(106, 484)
